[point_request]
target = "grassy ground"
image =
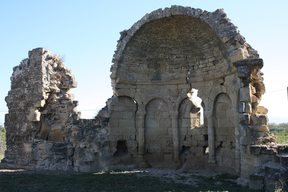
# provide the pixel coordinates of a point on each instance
(113, 181)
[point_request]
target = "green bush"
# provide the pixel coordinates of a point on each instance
(2, 141)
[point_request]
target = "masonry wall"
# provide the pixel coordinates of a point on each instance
(23, 100)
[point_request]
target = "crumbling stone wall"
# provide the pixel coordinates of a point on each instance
(151, 120)
(44, 129)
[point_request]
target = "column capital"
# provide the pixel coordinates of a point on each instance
(208, 114)
(245, 66)
(174, 114)
(253, 63)
(141, 113)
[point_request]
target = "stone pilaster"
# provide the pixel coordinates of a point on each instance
(244, 72)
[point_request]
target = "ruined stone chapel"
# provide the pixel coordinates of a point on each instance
(151, 120)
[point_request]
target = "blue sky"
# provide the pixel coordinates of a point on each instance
(85, 33)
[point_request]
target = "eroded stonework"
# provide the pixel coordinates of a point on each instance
(151, 120)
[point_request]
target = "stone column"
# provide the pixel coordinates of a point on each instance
(211, 137)
(176, 143)
(141, 131)
(140, 125)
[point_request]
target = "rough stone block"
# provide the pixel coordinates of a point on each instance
(164, 123)
(126, 159)
(197, 150)
(153, 158)
(245, 94)
(126, 123)
(229, 170)
(202, 143)
(244, 141)
(221, 138)
(262, 110)
(222, 131)
(45, 130)
(116, 115)
(152, 123)
(272, 184)
(56, 136)
(284, 161)
(168, 158)
(264, 158)
(261, 128)
(221, 114)
(269, 151)
(243, 71)
(256, 181)
(197, 133)
(244, 107)
(255, 149)
(259, 119)
(244, 119)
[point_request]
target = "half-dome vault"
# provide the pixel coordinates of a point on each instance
(179, 43)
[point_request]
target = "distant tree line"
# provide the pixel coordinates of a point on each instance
(281, 132)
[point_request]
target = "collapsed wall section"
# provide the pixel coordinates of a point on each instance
(263, 161)
(40, 105)
(23, 101)
(44, 129)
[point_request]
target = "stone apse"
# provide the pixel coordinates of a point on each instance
(151, 120)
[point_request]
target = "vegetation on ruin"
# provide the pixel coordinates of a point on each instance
(2, 141)
(281, 132)
(115, 181)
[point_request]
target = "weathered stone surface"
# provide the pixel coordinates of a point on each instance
(256, 181)
(262, 110)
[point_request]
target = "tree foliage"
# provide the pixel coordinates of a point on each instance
(281, 132)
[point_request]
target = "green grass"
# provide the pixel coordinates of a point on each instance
(112, 181)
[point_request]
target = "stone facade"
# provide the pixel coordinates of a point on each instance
(151, 120)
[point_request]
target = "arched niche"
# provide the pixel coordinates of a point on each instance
(193, 136)
(225, 146)
(122, 122)
(188, 120)
(158, 134)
